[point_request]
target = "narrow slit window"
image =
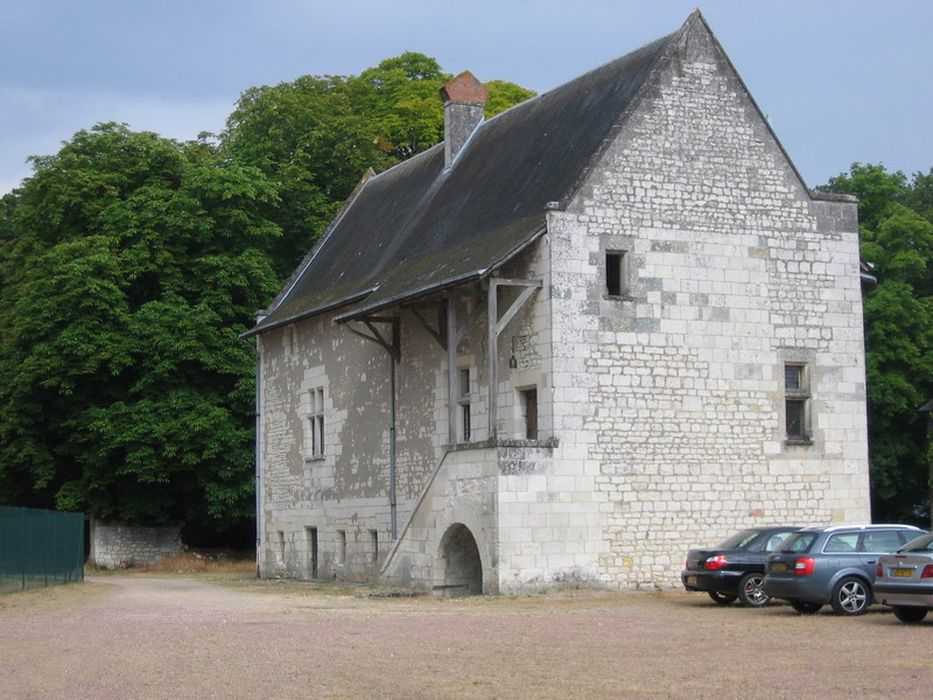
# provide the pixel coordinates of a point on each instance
(311, 533)
(374, 545)
(530, 413)
(465, 415)
(341, 547)
(616, 281)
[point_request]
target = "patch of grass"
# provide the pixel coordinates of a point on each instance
(196, 563)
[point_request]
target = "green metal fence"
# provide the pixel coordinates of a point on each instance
(40, 548)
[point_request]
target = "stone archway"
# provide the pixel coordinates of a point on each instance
(461, 569)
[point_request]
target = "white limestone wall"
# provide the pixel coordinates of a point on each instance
(672, 397)
(462, 492)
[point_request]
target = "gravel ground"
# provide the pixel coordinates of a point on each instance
(132, 636)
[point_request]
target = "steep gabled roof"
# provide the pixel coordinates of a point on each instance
(419, 226)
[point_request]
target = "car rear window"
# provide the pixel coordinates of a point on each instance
(920, 544)
(799, 542)
(739, 540)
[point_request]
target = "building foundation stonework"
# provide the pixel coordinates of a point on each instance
(647, 335)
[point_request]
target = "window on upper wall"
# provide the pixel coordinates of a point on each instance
(797, 402)
(464, 401)
(616, 273)
(316, 422)
(529, 399)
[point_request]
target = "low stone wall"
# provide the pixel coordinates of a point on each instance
(117, 545)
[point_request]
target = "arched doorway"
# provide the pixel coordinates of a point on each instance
(461, 571)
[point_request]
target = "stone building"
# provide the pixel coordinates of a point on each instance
(567, 344)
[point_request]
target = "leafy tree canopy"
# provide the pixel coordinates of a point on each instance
(897, 238)
(130, 263)
(314, 137)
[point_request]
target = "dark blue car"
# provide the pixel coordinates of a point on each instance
(735, 569)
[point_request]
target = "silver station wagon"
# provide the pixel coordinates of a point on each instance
(832, 564)
(905, 580)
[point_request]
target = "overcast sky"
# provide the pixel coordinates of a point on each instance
(840, 81)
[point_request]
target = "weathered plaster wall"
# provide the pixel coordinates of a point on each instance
(672, 396)
(346, 489)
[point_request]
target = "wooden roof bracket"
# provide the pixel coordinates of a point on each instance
(393, 346)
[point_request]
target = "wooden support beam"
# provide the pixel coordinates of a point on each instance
(496, 326)
(451, 370)
(492, 351)
(515, 307)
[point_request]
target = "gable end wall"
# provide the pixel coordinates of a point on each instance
(733, 272)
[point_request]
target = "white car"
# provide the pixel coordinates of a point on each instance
(904, 580)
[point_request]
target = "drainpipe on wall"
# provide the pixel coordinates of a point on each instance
(258, 443)
(392, 499)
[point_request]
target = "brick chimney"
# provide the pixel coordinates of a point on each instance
(464, 101)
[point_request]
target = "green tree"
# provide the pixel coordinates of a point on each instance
(314, 137)
(898, 241)
(503, 94)
(130, 263)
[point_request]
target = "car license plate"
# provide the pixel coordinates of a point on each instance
(691, 580)
(779, 566)
(905, 573)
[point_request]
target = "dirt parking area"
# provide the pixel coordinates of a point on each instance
(132, 636)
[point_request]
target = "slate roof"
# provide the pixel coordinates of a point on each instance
(419, 227)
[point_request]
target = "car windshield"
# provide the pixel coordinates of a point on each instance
(924, 543)
(799, 542)
(739, 540)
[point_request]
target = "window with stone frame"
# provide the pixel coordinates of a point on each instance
(616, 273)
(464, 402)
(529, 399)
(797, 402)
(315, 423)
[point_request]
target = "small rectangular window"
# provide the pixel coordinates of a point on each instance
(341, 547)
(530, 413)
(616, 279)
(280, 545)
(374, 545)
(796, 403)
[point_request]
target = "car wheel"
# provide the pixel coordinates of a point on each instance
(751, 591)
(909, 613)
(722, 598)
(851, 596)
(805, 608)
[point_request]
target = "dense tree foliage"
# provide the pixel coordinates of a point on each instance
(130, 263)
(896, 225)
(314, 137)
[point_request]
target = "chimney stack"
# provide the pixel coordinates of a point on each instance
(464, 101)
